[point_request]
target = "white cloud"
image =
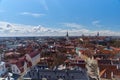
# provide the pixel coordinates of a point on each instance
(96, 23)
(44, 4)
(32, 14)
(12, 29)
(73, 25)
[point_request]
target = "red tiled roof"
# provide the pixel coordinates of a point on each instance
(21, 69)
(12, 61)
(109, 72)
(29, 64)
(33, 54)
(67, 61)
(18, 62)
(80, 65)
(116, 72)
(109, 69)
(104, 61)
(12, 54)
(70, 47)
(107, 66)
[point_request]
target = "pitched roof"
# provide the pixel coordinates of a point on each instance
(104, 61)
(33, 54)
(19, 63)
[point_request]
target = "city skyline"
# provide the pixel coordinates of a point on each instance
(56, 17)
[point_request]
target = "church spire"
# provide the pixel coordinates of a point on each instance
(97, 34)
(67, 36)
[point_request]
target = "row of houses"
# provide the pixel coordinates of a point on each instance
(107, 61)
(50, 74)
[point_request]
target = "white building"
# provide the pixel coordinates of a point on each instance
(23, 64)
(33, 57)
(2, 68)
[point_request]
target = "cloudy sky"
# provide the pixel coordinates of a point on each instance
(56, 17)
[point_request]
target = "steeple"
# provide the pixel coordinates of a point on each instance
(67, 36)
(97, 38)
(97, 34)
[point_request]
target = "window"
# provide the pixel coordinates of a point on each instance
(72, 77)
(16, 70)
(49, 76)
(33, 73)
(60, 76)
(40, 76)
(64, 77)
(57, 76)
(2, 68)
(13, 69)
(45, 76)
(29, 74)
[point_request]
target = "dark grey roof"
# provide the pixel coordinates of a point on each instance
(57, 74)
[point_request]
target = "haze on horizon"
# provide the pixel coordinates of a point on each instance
(56, 17)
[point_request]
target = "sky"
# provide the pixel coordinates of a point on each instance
(56, 17)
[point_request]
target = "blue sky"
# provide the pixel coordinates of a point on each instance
(57, 16)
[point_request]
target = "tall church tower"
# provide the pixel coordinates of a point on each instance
(67, 36)
(97, 38)
(98, 34)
